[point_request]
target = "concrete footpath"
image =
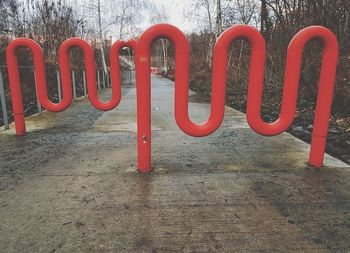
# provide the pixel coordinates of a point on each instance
(71, 185)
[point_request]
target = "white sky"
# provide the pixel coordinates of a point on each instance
(175, 10)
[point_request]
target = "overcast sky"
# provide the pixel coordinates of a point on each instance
(175, 10)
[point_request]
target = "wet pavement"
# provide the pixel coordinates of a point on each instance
(71, 185)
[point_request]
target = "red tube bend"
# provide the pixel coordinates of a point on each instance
(90, 73)
(291, 84)
(290, 91)
(255, 86)
(15, 87)
(115, 68)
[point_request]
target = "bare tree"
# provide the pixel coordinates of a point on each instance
(203, 12)
(52, 23)
(115, 19)
(8, 9)
(49, 22)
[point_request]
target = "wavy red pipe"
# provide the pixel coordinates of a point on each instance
(220, 62)
(65, 71)
(255, 85)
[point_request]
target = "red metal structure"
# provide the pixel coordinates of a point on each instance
(15, 87)
(182, 54)
(39, 67)
(255, 86)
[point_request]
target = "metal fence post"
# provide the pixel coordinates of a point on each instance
(108, 83)
(103, 79)
(59, 89)
(122, 76)
(74, 86)
(40, 110)
(98, 80)
(84, 81)
(3, 102)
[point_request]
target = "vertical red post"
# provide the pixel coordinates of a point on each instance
(143, 93)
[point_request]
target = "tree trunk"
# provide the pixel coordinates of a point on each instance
(165, 56)
(263, 18)
(211, 34)
(101, 36)
(218, 18)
